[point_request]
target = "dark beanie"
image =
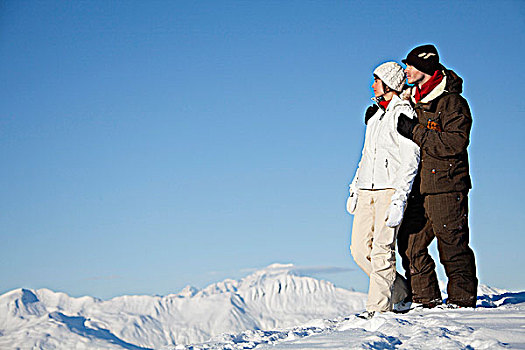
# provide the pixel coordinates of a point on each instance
(424, 58)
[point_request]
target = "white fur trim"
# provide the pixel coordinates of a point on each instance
(438, 90)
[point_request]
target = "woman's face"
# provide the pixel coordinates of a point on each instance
(378, 87)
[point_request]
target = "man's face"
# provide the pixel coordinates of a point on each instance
(414, 76)
(378, 87)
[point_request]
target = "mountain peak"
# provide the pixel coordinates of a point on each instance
(188, 291)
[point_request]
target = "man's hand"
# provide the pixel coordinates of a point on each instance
(370, 111)
(405, 126)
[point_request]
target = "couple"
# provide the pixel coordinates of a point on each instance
(414, 165)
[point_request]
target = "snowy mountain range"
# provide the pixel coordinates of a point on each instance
(276, 297)
(273, 308)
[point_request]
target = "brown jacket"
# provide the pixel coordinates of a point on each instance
(443, 134)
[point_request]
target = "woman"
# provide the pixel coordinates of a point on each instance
(379, 191)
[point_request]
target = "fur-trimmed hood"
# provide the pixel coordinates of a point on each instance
(454, 81)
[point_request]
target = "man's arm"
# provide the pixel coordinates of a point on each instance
(452, 139)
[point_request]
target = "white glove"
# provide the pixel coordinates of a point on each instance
(394, 213)
(351, 203)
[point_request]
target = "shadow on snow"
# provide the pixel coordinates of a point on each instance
(501, 299)
(76, 325)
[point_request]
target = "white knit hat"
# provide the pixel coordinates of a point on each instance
(392, 74)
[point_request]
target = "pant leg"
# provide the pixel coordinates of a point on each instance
(362, 231)
(415, 236)
(382, 256)
(413, 221)
(449, 214)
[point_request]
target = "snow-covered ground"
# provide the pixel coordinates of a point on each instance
(501, 327)
(274, 308)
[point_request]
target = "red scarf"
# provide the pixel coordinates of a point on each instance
(384, 104)
(427, 87)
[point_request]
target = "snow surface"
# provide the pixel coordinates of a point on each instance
(274, 308)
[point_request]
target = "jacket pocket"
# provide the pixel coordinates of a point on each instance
(432, 121)
(436, 176)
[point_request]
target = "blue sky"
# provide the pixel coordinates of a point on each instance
(150, 145)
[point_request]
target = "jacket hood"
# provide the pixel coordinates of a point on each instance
(454, 81)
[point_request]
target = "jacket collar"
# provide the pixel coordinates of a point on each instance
(438, 90)
(393, 103)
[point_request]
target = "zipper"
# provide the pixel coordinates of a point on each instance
(377, 132)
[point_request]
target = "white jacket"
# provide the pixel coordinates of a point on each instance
(388, 160)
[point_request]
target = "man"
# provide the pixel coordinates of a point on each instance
(442, 131)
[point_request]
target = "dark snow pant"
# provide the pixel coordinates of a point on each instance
(444, 216)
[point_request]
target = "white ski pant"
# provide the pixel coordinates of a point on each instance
(373, 248)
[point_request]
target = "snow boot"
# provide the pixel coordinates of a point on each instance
(366, 315)
(402, 307)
